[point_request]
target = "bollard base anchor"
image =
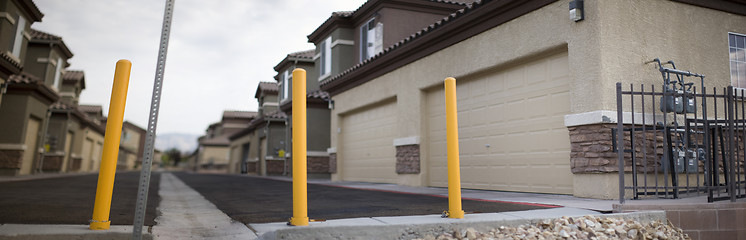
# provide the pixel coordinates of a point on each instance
(99, 225)
(453, 214)
(302, 221)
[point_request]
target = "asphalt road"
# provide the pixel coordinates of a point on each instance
(259, 200)
(69, 200)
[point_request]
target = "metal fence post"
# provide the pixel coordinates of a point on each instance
(620, 140)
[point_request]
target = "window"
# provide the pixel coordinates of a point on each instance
(20, 27)
(371, 39)
(57, 73)
(367, 39)
(326, 57)
(737, 45)
(285, 79)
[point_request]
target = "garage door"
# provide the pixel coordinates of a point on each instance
(368, 153)
(511, 129)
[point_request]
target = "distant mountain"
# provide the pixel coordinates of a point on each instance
(186, 143)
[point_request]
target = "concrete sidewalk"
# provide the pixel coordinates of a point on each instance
(184, 213)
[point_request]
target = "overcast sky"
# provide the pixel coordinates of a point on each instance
(219, 51)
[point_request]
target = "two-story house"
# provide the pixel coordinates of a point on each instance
(16, 17)
(536, 90)
(24, 98)
(260, 148)
(317, 110)
(212, 154)
(73, 139)
(349, 38)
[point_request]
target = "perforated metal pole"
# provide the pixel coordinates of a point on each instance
(147, 159)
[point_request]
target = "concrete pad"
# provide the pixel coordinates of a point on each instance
(62, 232)
(185, 214)
(552, 213)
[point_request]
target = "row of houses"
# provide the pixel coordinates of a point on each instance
(43, 127)
(536, 89)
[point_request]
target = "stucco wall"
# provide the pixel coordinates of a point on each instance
(612, 44)
(215, 155)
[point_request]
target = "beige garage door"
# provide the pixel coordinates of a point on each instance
(511, 129)
(368, 152)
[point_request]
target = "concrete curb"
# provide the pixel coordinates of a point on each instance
(63, 232)
(410, 227)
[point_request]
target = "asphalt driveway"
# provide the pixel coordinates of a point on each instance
(70, 199)
(260, 200)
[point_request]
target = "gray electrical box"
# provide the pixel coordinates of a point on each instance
(677, 103)
(685, 160)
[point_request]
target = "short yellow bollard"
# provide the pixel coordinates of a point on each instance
(300, 192)
(454, 170)
(102, 205)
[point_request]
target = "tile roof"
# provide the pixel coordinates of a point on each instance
(6, 56)
(318, 94)
(307, 54)
(301, 56)
(239, 114)
(268, 87)
(74, 75)
(44, 37)
(447, 19)
(24, 78)
(346, 15)
(90, 108)
(216, 141)
(61, 106)
(276, 115)
(39, 35)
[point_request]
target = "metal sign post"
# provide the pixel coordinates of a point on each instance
(147, 159)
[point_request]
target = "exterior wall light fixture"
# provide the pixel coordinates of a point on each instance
(576, 10)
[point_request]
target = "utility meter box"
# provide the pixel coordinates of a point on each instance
(685, 160)
(678, 103)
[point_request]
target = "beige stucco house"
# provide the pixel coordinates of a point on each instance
(259, 148)
(530, 82)
(213, 152)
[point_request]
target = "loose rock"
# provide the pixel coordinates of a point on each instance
(586, 227)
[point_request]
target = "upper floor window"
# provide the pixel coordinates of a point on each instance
(58, 73)
(326, 57)
(18, 40)
(371, 39)
(367, 39)
(285, 79)
(737, 45)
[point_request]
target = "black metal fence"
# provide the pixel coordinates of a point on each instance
(679, 140)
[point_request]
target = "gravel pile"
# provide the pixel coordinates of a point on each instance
(587, 227)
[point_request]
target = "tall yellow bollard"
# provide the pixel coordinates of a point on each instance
(102, 206)
(300, 192)
(454, 170)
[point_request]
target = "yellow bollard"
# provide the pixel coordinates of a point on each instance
(300, 192)
(454, 171)
(102, 206)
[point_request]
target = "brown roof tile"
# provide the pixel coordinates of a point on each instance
(307, 54)
(239, 114)
(13, 62)
(276, 115)
(39, 35)
(61, 106)
(90, 108)
(24, 78)
(44, 37)
(266, 87)
(318, 94)
(74, 75)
